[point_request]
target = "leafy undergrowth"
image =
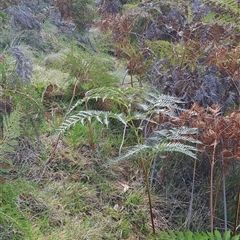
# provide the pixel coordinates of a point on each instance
(55, 72)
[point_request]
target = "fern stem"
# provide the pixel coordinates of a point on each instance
(73, 95)
(90, 130)
(123, 138)
(184, 52)
(152, 171)
(149, 195)
(237, 213)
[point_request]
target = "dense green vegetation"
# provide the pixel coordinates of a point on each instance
(119, 119)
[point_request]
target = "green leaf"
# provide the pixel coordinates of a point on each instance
(227, 235)
(83, 116)
(200, 236)
(236, 237)
(11, 131)
(180, 236)
(163, 236)
(188, 235)
(217, 235)
(210, 236)
(172, 234)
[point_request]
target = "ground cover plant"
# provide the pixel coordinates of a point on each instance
(119, 119)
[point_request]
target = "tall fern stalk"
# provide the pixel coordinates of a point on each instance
(150, 202)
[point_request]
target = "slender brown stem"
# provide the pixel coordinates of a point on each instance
(237, 213)
(131, 77)
(149, 196)
(73, 95)
(90, 130)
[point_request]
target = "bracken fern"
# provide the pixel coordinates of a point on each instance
(170, 235)
(11, 131)
(138, 104)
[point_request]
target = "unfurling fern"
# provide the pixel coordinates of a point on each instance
(11, 131)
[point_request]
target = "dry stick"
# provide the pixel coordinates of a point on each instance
(217, 192)
(131, 74)
(124, 77)
(188, 219)
(221, 177)
(149, 196)
(224, 198)
(234, 83)
(211, 185)
(237, 213)
(146, 173)
(224, 201)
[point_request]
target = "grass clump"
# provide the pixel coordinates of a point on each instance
(14, 222)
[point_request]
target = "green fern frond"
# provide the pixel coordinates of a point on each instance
(179, 134)
(83, 116)
(224, 19)
(146, 100)
(158, 148)
(227, 235)
(227, 13)
(155, 100)
(170, 235)
(121, 96)
(11, 126)
(176, 147)
(11, 131)
(228, 5)
(14, 224)
(133, 152)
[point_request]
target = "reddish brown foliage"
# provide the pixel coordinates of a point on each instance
(226, 59)
(120, 28)
(64, 7)
(222, 132)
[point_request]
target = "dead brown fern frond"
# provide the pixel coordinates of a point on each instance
(64, 6)
(226, 58)
(120, 26)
